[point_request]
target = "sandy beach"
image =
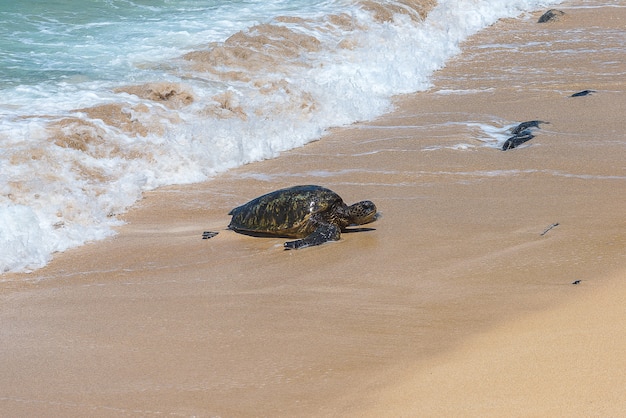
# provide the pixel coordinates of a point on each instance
(461, 300)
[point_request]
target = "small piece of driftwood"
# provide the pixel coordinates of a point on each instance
(554, 225)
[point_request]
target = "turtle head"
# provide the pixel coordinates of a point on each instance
(362, 213)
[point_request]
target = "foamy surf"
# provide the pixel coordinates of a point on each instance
(197, 93)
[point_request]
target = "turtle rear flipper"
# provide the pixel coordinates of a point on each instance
(323, 233)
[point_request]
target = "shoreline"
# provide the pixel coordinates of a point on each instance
(156, 320)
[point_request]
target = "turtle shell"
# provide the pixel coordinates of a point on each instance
(286, 212)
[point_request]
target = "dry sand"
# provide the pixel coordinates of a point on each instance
(455, 305)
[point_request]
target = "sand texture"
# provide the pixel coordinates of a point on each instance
(459, 302)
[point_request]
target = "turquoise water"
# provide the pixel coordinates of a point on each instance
(73, 40)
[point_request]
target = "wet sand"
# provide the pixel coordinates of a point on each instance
(456, 304)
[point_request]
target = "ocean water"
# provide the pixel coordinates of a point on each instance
(106, 99)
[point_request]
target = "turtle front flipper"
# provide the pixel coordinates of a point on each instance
(323, 233)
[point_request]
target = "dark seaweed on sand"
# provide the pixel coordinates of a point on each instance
(521, 133)
(582, 93)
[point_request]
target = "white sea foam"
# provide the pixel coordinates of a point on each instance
(491, 135)
(76, 151)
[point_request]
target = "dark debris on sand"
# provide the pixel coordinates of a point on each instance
(521, 133)
(551, 15)
(583, 93)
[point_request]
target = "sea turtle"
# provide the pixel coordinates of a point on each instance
(313, 214)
